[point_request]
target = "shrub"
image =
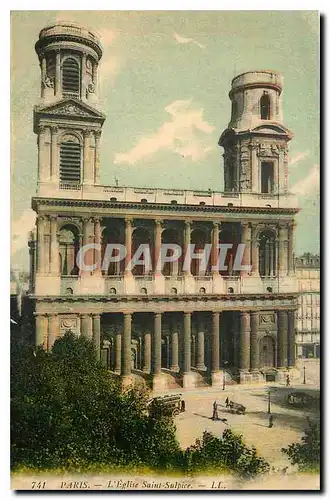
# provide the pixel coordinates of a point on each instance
(306, 454)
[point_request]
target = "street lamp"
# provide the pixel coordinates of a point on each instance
(304, 375)
(269, 402)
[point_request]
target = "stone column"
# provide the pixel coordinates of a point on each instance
(97, 135)
(126, 346)
(41, 329)
(118, 353)
(245, 341)
(254, 168)
(291, 237)
(41, 244)
(97, 334)
(246, 239)
(86, 162)
(187, 239)
(254, 359)
(282, 345)
(94, 75)
(54, 249)
(58, 92)
(83, 76)
(53, 329)
(158, 246)
(128, 245)
(157, 345)
(43, 158)
(86, 326)
(187, 343)
(291, 339)
(54, 155)
(200, 362)
(215, 343)
(254, 252)
(214, 250)
(43, 67)
(174, 366)
(97, 252)
(282, 242)
(87, 238)
(147, 353)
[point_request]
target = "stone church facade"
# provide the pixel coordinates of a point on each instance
(170, 327)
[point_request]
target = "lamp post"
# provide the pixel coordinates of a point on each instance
(304, 382)
(269, 402)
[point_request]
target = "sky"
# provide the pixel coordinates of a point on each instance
(164, 81)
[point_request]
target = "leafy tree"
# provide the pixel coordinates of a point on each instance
(226, 453)
(306, 454)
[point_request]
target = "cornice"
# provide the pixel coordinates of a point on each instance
(61, 202)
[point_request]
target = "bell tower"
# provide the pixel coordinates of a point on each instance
(256, 141)
(66, 120)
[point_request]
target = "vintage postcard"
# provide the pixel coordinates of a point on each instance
(165, 269)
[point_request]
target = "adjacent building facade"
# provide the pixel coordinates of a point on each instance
(308, 313)
(169, 326)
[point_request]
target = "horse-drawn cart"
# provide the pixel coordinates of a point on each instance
(170, 405)
(237, 408)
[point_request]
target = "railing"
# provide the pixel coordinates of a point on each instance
(73, 187)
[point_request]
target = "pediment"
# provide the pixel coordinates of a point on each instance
(272, 128)
(71, 108)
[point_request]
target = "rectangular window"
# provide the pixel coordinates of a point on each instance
(267, 177)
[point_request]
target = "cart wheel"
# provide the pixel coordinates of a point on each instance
(176, 412)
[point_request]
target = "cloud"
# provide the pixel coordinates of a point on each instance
(181, 39)
(107, 36)
(310, 184)
(20, 230)
(298, 157)
(184, 134)
(109, 68)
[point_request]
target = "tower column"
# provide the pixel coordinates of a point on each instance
(97, 251)
(147, 352)
(43, 75)
(126, 346)
(43, 158)
(53, 330)
(41, 243)
(245, 341)
(246, 239)
(97, 135)
(254, 252)
(282, 345)
(254, 168)
(282, 247)
(128, 245)
(97, 334)
(291, 237)
(187, 239)
(86, 165)
(83, 76)
(54, 155)
(254, 361)
(158, 246)
(54, 250)
(291, 339)
(214, 250)
(58, 74)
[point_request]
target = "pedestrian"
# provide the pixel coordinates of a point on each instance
(215, 415)
(227, 402)
(271, 421)
(183, 406)
(287, 380)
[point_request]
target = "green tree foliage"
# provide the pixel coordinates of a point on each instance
(306, 454)
(226, 453)
(66, 411)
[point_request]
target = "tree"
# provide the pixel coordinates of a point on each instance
(306, 454)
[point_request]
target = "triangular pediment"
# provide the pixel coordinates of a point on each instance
(71, 108)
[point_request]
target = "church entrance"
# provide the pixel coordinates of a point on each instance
(267, 352)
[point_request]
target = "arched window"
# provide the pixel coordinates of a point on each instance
(69, 247)
(267, 254)
(143, 291)
(174, 291)
(112, 291)
(265, 107)
(202, 290)
(70, 77)
(69, 291)
(230, 289)
(70, 160)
